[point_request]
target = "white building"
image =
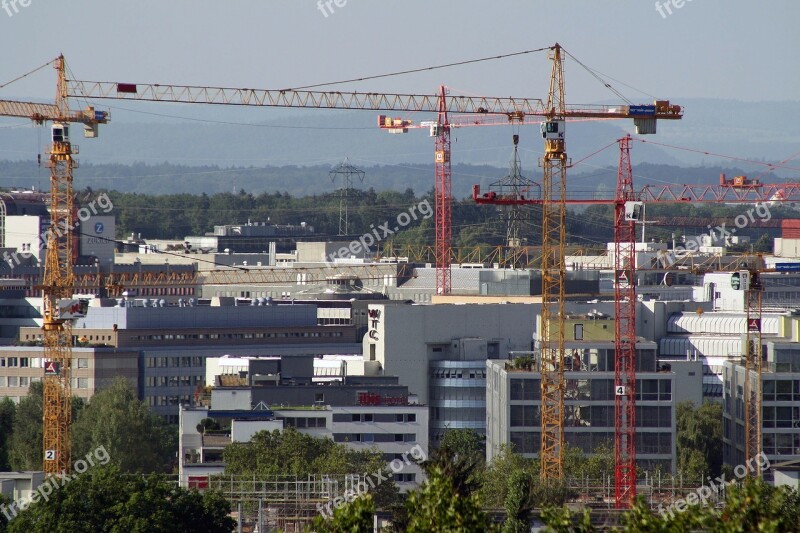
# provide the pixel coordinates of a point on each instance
(397, 431)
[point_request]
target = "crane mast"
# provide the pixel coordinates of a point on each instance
(61, 253)
(625, 215)
(554, 212)
(58, 284)
(752, 374)
(444, 197)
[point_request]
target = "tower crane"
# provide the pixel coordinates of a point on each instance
(58, 282)
(477, 111)
(628, 205)
(483, 110)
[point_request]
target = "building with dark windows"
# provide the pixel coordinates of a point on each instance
(780, 382)
(162, 350)
(513, 402)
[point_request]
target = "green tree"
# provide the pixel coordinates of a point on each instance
(25, 444)
(518, 502)
(563, 520)
(105, 499)
(494, 487)
(7, 411)
(438, 507)
(355, 517)
(135, 439)
(289, 453)
(461, 458)
(3, 520)
(699, 439)
(763, 244)
(749, 506)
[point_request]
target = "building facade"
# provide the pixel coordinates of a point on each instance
(513, 398)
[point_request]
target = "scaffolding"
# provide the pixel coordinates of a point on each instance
(284, 503)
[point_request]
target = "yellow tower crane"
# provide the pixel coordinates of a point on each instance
(58, 282)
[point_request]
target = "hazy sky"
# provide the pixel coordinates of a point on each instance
(735, 49)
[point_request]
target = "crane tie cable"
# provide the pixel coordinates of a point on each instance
(27, 74)
(412, 71)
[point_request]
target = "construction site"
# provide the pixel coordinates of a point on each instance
(541, 346)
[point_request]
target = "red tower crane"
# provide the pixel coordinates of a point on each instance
(628, 204)
(626, 212)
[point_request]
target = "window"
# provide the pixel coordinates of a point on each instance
(24, 362)
(13, 362)
(83, 362)
(13, 381)
(578, 332)
(23, 381)
(319, 397)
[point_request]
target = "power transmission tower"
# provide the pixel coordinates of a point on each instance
(516, 215)
(345, 171)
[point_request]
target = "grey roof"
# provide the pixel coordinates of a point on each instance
(198, 317)
(461, 279)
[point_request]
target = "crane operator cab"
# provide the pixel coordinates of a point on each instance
(60, 133)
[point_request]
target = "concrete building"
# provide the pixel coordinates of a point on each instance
(780, 380)
(252, 237)
(513, 400)
(93, 368)
(439, 352)
(393, 430)
(163, 349)
(713, 338)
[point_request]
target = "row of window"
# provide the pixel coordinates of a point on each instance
(75, 338)
(161, 401)
(216, 336)
(24, 382)
(174, 362)
(172, 381)
(163, 291)
(458, 373)
(36, 362)
(305, 422)
(370, 417)
(458, 414)
(372, 437)
(782, 443)
(592, 416)
(594, 389)
(781, 417)
(458, 393)
(781, 390)
(14, 381)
